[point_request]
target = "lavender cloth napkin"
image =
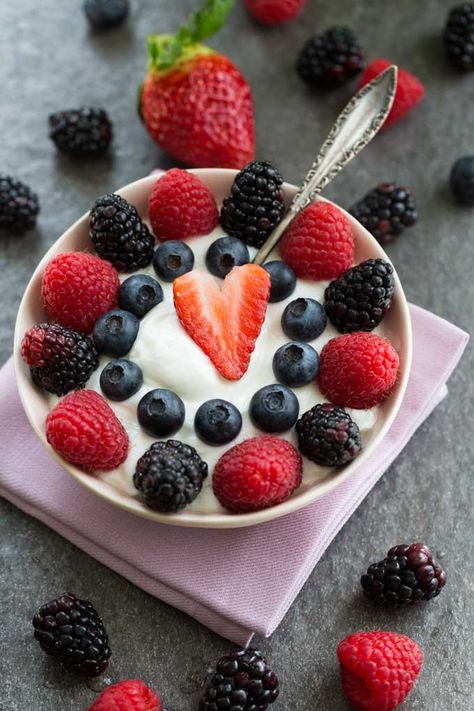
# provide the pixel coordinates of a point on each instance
(192, 569)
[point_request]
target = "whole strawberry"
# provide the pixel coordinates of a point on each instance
(194, 102)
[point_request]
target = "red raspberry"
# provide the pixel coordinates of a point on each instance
(357, 370)
(77, 288)
(129, 695)
(258, 473)
(409, 92)
(84, 430)
(181, 206)
(275, 12)
(319, 242)
(378, 669)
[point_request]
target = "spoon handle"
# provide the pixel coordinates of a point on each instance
(353, 130)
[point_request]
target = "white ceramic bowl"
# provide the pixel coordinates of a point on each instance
(397, 327)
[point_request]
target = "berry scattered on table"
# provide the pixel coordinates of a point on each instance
(173, 259)
(358, 370)
(255, 204)
(408, 574)
(115, 332)
(462, 180)
(105, 14)
(19, 205)
(331, 58)
(81, 132)
(71, 630)
(217, 421)
(181, 206)
(225, 322)
(328, 436)
(303, 319)
(242, 681)
(360, 298)
(74, 307)
(224, 254)
(139, 294)
(295, 364)
(282, 280)
(60, 359)
(274, 408)
(121, 379)
(385, 211)
(169, 476)
(161, 412)
(458, 36)
(256, 474)
(128, 695)
(409, 93)
(319, 243)
(119, 234)
(274, 12)
(84, 430)
(378, 669)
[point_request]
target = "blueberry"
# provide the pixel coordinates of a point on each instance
(106, 13)
(173, 259)
(115, 332)
(217, 422)
(161, 412)
(303, 319)
(462, 180)
(282, 280)
(295, 364)
(139, 293)
(224, 254)
(274, 408)
(121, 379)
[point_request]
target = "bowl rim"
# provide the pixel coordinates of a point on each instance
(188, 518)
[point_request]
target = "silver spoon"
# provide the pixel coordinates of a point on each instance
(354, 128)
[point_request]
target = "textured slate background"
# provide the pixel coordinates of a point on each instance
(50, 60)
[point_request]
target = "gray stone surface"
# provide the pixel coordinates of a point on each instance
(50, 60)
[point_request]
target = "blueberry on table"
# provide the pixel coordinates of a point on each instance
(115, 332)
(104, 14)
(274, 408)
(121, 379)
(217, 421)
(303, 320)
(224, 254)
(161, 412)
(462, 180)
(282, 280)
(295, 364)
(139, 294)
(173, 259)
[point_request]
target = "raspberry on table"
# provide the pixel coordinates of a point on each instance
(319, 243)
(328, 436)
(181, 206)
(274, 12)
(77, 288)
(71, 630)
(19, 205)
(84, 430)
(331, 58)
(127, 695)
(458, 36)
(378, 669)
(81, 132)
(386, 211)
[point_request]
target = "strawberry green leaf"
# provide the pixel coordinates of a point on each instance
(206, 21)
(163, 51)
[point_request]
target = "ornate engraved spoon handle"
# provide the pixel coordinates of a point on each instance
(354, 128)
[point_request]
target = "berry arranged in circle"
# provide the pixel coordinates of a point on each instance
(115, 332)
(303, 319)
(81, 132)
(161, 412)
(224, 254)
(282, 280)
(328, 436)
(121, 379)
(19, 205)
(458, 36)
(139, 294)
(172, 259)
(217, 422)
(331, 58)
(274, 408)
(462, 180)
(386, 211)
(105, 14)
(295, 364)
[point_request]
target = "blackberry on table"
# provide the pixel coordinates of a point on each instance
(84, 131)
(408, 574)
(328, 436)
(255, 205)
(331, 58)
(19, 205)
(359, 299)
(459, 36)
(386, 211)
(71, 630)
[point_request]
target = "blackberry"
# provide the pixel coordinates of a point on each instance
(19, 205)
(243, 682)
(84, 131)
(328, 435)
(71, 630)
(169, 475)
(408, 574)
(119, 234)
(331, 58)
(386, 211)
(459, 36)
(255, 205)
(359, 299)
(60, 359)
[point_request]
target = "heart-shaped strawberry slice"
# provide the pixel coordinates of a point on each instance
(226, 322)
